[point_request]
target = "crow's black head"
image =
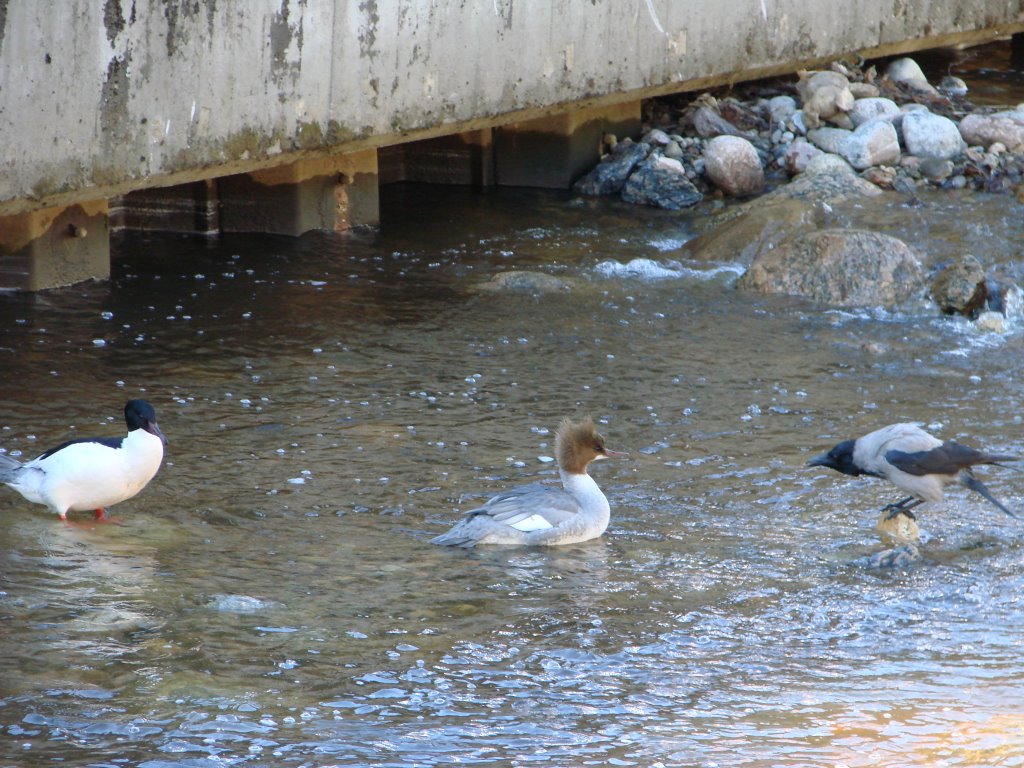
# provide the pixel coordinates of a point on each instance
(840, 459)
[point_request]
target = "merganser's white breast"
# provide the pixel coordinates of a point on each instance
(86, 475)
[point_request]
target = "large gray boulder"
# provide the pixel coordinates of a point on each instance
(1007, 128)
(757, 230)
(905, 70)
(928, 135)
(829, 139)
(908, 73)
(872, 143)
(838, 267)
(744, 233)
(872, 109)
(733, 165)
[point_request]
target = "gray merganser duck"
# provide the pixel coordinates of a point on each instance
(542, 515)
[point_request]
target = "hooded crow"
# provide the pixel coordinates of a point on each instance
(913, 461)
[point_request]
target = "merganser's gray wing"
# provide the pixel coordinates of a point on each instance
(529, 507)
(512, 516)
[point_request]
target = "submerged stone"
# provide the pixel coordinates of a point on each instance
(525, 281)
(897, 557)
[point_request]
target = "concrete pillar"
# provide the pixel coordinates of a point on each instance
(553, 152)
(333, 193)
(55, 247)
(192, 208)
(465, 158)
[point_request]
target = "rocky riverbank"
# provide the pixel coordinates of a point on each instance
(791, 149)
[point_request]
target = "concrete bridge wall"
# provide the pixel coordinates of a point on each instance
(99, 99)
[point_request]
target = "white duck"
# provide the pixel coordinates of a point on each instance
(92, 473)
(538, 514)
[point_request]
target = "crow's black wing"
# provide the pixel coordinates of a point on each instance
(946, 459)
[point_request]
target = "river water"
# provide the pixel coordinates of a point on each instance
(333, 402)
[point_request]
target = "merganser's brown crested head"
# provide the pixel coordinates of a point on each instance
(578, 444)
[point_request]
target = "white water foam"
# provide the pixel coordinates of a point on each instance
(649, 270)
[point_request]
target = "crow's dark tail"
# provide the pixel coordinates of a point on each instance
(997, 460)
(976, 485)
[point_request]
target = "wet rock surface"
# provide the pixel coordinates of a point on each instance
(611, 174)
(959, 288)
(820, 137)
(732, 164)
(840, 267)
(525, 281)
(661, 181)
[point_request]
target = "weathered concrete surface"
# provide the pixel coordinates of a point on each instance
(332, 193)
(98, 99)
(54, 247)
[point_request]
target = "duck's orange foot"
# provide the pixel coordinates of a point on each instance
(103, 517)
(100, 517)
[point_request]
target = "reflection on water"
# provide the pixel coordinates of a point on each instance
(334, 402)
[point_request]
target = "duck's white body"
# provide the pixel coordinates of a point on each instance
(89, 474)
(542, 515)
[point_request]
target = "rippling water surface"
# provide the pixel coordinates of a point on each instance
(271, 599)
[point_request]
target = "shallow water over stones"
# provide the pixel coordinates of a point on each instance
(333, 402)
